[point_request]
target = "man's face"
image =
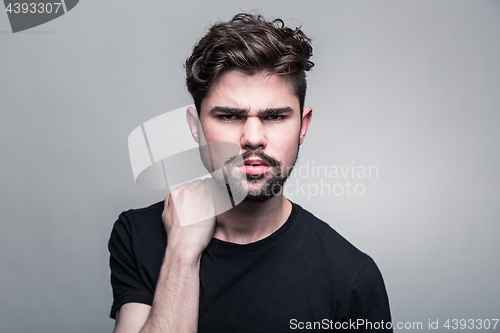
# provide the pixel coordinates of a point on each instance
(261, 115)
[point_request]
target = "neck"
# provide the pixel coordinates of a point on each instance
(249, 221)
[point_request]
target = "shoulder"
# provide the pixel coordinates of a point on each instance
(145, 213)
(342, 269)
(138, 224)
(332, 249)
(325, 235)
(140, 216)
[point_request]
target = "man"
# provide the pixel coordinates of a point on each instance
(266, 265)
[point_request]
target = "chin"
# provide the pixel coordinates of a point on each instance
(266, 191)
(257, 198)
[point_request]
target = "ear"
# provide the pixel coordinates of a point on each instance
(193, 122)
(306, 120)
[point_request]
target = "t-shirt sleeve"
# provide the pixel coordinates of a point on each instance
(126, 281)
(368, 304)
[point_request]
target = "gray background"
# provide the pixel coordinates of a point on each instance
(411, 87)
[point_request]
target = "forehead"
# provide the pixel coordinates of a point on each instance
(256, 92)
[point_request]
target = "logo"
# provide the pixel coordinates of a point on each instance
(164, 155)
(28, 14)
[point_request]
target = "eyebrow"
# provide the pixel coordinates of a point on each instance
(237, 112)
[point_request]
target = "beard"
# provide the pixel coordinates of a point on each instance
(259, 188)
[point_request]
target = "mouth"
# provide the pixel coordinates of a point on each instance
(255, 167)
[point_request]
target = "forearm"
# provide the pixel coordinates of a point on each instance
(176, 300)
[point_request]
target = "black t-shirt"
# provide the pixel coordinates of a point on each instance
(304, 275)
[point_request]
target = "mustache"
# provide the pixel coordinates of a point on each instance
(256, 153)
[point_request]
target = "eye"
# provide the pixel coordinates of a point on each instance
(227, 117)
(278, 117)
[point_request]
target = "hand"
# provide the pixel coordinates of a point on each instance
(189, 218)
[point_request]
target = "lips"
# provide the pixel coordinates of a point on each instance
(255, 167)
(255, 162)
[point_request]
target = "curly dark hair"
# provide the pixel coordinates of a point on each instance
(250, 44)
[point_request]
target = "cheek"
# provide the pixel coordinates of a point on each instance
(286, 147)
(212, 132)
(220, 136)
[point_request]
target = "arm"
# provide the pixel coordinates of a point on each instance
(175, 304)
(131, 317)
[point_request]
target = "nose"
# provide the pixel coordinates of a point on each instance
(253, 134)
